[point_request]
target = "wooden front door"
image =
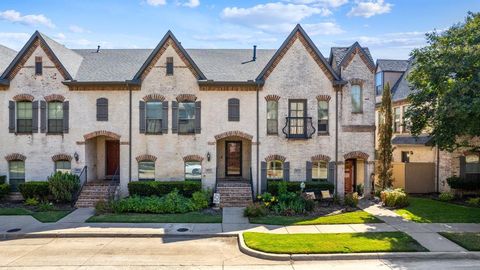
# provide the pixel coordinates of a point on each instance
(349, 175)
(233, 158)
(112, 157)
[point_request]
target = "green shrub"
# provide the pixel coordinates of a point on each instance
(351, 199)
(38, 190)
(456, 182)
(161, 188)
(3, 179)
(4, 190)
(446, 196)
(395, 198)
(102, 207)
(201, 199)
(45, 206)
(474, 202)
(31, 202)
(255, 210)
(359, 189)
(272, 186)
(268, 199)
(63, 186)
(168, 204)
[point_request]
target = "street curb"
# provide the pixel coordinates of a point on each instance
(354, 256)
(7, 236)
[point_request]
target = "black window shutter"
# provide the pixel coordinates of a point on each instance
(43, 116)
(174, 117)
(331, 172)
(11, 116)
(263, 176)
(462, 166)
(66, 108)
(286, 171)
(309, 171)
(233, 109)
(35, 116)
(141, 120)
(165, 117)
(102, 109)
(198, 117)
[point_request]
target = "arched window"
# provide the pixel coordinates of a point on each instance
(319, 170)
(146, 170)
(234, 109)
(193, 170)
(272, 117)
(275, 170)
(63, 166)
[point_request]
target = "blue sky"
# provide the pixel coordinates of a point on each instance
(390, 28)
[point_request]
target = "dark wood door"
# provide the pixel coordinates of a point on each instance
(349, 175)
(233, 158)
(112, 156)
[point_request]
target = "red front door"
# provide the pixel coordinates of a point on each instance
(113, 157)
(349, 175)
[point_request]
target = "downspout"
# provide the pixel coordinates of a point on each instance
(336, 142)
(129, 133)
(258, 138)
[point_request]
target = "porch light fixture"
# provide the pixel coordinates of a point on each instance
(208, 156)
(76, 156)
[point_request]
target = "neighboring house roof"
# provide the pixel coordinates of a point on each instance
(337, 55)
(69, 58)
(402, 88)
(411, 140)
(6, 57)
(392, 65)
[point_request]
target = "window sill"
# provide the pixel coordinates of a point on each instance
(182, 134)
(272, 134)
(360, 112)
(54, 133)
(154, 134)
(23, 133)
(323, 134)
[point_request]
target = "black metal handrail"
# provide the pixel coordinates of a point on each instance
(84, 173)
(251, 184)
(116, 174)
(298, 128)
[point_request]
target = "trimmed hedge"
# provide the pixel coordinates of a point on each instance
(34, 189)
(3, 179)
(272, 186)
(461, 183)
(161, 188)
(4, 190)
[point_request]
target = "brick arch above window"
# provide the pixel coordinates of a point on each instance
(186, 98)
(272, 98)
(356, 81)
(234, 133)
(23, 97)
(323, 98)
(193, 158)
(105, 133)
(356, 154)
(62, 157)
(275, 157)
(153, 97)
(320, 157)
(146, 157)
(54, 97)
(15, 156)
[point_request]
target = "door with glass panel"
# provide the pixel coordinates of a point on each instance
(233, 158)
(297, 112)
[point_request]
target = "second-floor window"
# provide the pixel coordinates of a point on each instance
(38, 65)
(356, 98)
(24, 117)
(379, 83)
(55, 117)
(406, 121)
(396, 120)
(297, 113)
(169, 66)
(186, 117)
(234, 109)
(323, 117)
(272, 117)
(154, 117)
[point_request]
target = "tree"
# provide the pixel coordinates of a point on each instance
(445, 74)
(384, 164)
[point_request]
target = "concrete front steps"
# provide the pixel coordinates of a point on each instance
(234, 193)
(95, 191)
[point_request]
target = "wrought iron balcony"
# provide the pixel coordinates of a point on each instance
(298, 128)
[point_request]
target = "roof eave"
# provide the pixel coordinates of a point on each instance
(126, 82)
(212, 82)
(4, 82)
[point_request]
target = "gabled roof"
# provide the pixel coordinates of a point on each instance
(392, 65)
(343, 57)
(65, 59)
(6, 57)
(285, 46)
(402, 88)
(411, 140)
(157, 52)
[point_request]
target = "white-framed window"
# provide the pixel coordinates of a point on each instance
(193, 170)
(64, 166)
(146, 170)
(397, 120)
(323, 116)
(356, 98)
(319, 170)
(154, 117)
(24, 117)
(186, 117)
(16, 173)
(55, 117)
(272, 117)
(275, 170)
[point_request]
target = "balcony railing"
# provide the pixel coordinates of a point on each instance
(298, 128)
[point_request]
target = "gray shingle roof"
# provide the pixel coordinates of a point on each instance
(338, 53)
(411, 140)
(392, 65)
(67, 57)
(6, 57)
(402, 88)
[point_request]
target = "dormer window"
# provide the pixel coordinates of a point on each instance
(38, 65)
(169, 66)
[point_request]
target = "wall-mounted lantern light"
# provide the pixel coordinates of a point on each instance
(208, 156)
(76, 156)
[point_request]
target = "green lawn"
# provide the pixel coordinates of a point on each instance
(432, 211)
(44, 216)
(470, 241)
(355, 217)
(193, 217)
(332, 242)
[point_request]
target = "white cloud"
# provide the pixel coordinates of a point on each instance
(157, 2)
(273, 17)
(321, 3)
(77, 29)
(31, 19)
(370, 8)
(323, 28)
(60, 36)
(192, 3)
(13, 40)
